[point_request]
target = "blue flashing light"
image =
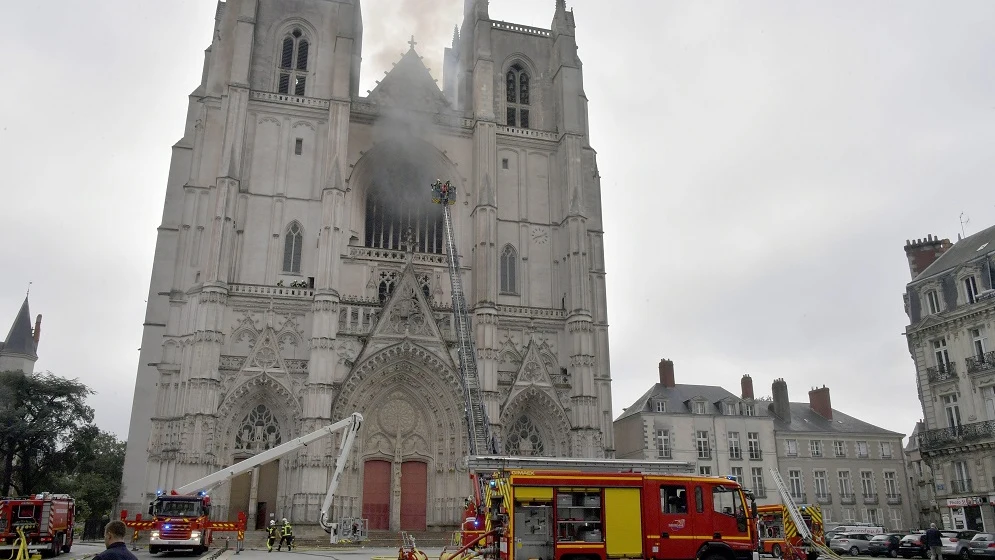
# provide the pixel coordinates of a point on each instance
(493, 484)
(166, 526)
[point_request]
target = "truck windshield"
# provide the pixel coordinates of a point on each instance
(178, 508)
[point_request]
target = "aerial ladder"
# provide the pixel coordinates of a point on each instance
(813, 545)
(479, 437)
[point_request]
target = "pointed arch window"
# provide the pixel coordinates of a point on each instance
(292, 245)
(517, 95)
(509, 270)
(292, 71)
(524, 439)
(259, 431)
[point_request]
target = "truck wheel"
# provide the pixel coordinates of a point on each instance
(814, 555)
(199, 549)
(775, 551)
(153, 550)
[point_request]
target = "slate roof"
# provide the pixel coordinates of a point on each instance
(19, 339)
(806, 420)
(913, 443)
(962, 252)
(679, 395)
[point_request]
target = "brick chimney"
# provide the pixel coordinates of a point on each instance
(782, 406)
(924, 252)
(37, 331)
(818, 400)
(747, 385)
(667, 373)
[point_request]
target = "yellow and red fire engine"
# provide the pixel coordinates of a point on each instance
(46, 522)
(779, 536)
(576, 509)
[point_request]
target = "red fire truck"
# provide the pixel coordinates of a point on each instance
(577, 509)
(46, 521)
(181, 519)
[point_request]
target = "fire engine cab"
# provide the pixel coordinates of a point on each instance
(45, 520)
(576, 509)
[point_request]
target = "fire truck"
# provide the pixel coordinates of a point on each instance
(181, 518)
(779, 535)
(45, 521)
(589, 509)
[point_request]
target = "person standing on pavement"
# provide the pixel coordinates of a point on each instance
(273, 533)
(933, 539)
(114, 535)
(286, 534)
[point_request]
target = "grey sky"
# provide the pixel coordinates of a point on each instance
(762, 165)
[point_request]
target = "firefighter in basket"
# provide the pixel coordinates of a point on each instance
(272, 533)
(286, 534)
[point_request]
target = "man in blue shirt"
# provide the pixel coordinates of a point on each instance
(114, 535)
(933, 539)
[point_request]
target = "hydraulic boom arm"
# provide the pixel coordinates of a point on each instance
(349, 425)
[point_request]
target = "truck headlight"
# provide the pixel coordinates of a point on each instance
(194, 534)
(155, 534)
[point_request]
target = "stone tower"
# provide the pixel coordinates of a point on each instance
(300, 276)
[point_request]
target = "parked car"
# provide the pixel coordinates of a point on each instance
(956, 543)
(884, 545)
(853, 544)
(913, 545)
(982, 545)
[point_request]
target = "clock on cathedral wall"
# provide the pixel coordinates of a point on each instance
(540, 234)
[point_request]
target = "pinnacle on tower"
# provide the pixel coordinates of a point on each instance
(455, 36)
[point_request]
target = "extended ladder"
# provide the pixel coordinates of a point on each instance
(797, 519)
(477, 423)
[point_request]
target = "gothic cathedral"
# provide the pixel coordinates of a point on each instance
(300, 271)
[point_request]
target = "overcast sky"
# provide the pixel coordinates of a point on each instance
(762, 165)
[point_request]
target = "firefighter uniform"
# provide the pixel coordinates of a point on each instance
(273, 533)
(286, 535)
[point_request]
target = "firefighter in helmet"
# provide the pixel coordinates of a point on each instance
(272, 533)
(286, 534)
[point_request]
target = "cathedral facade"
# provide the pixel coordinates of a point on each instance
(300, 272)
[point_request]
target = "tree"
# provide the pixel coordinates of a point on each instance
(44, 419)
(95, 480)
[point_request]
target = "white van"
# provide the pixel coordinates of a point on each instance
(860, 528)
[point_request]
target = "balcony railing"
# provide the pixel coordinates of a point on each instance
(756, 455)
(984, 362)
(942, 372)
(848, 498)
(965, 433)
(824, 499)
(870, 499)
(894, 499)
(735, 453)
(960, 486)
(799, 497)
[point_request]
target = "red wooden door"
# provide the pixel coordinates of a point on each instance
(414, 495)
(376, 494)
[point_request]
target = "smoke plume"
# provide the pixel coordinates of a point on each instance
(388, 25)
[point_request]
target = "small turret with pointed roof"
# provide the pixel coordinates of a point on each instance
(20, 349)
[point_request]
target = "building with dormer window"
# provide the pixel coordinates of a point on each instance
(721, 433)
(300, 271)
(951, 337)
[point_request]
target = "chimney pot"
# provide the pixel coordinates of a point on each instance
(782, 406)
(747, 385)
(819, 401)
(667, 373)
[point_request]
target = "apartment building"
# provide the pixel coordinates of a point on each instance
(854, 470)
(951, 308)
(723, 434)
(923, 498)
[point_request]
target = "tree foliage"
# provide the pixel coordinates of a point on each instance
(48, 442)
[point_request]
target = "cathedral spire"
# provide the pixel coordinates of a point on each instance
(563, 21)
(455, 36)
